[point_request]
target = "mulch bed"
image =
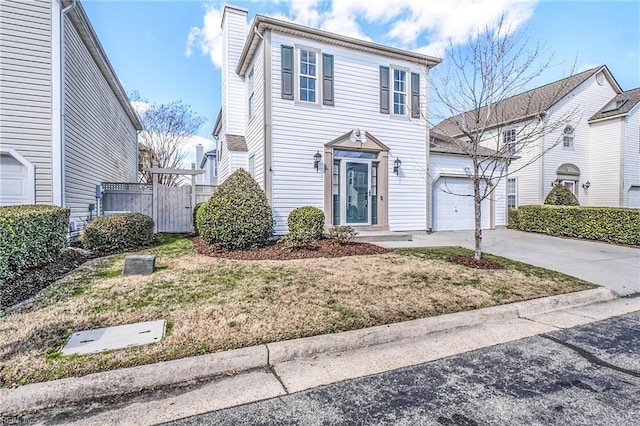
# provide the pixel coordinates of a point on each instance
(32, 281)
(279, 251)
(471, 262)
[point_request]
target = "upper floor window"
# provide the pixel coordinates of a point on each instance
(250, 90)
(567, 138)
(308, 76)
(509, 141)
(399, 92)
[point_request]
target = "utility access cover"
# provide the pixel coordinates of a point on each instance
(110, 338)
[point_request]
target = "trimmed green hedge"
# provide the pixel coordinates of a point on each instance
(195, 215)
(118, 232)
(512, 218)
(610, 224)
(30, 236)
(560, 195)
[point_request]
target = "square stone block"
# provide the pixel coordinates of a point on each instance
(136, 264)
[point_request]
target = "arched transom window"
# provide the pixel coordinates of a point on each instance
(567, 140)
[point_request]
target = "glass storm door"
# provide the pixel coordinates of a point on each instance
(357, 209)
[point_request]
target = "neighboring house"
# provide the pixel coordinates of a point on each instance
(208, 162)
(614, 142)
(66, 124)
(329, 121)
(597, 150)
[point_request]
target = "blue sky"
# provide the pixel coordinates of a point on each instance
(170, 50)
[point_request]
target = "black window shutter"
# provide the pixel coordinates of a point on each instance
(327, 79)
(415, 95)
(287, 72)
(384, 90)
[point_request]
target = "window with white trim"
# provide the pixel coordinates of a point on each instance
(512, 195)
(250, 90)
(509, 141)
(399, 92)
(567, 138)
(252, 166)
(308, 76)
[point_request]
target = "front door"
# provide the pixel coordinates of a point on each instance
(356, 207)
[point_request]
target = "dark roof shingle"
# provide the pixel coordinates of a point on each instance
(632, 98)
(521, 106)
(443, 144)
(236, 143)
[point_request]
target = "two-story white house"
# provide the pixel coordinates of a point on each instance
(66, 123)
(594, 149)
(338, 123)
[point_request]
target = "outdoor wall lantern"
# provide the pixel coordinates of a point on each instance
(396, 166)
(586, 185)
(316, 160)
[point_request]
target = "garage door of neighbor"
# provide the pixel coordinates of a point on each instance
(452, 210)
(14, 180)
(634, 197)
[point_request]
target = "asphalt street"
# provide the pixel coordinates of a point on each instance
(585, 375)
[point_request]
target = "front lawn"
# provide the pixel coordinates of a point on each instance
(214, 304)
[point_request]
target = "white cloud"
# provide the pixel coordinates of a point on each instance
(424, 26)
(208, 38)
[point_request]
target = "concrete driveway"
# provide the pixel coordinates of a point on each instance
(612, 266)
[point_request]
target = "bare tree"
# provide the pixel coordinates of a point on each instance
(481, 86)
(167, 129)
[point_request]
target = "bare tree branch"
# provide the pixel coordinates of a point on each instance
(477, 86)
(167, 129)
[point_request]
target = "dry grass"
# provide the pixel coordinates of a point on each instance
(217, 304)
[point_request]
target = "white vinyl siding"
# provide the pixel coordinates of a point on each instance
(604, 176)
(299, 132)
(25, 86)
(255, 127)
(631, 158)
(233, 109)
(100, 140)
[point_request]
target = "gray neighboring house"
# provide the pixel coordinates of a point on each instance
(66, 123)
(207, 161)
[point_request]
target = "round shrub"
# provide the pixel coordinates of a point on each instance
(195, 215)
(237, 216)
(306, 220)
(561, 196)
(118, 232)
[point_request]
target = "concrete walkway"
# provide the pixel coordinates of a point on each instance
(612, 266)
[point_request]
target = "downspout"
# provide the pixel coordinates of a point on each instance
(63, 13)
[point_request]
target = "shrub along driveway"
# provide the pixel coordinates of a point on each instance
(612, 266)
(214, 304)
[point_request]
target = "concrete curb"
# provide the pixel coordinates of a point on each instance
(76, 390)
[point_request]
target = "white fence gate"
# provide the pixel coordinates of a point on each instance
(174, 203)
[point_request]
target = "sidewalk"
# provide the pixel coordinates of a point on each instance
(176, 389)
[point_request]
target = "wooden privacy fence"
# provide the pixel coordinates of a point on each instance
(174, 204)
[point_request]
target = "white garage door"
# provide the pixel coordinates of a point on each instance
(14, 182)
(634, 196)
(453, 210)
